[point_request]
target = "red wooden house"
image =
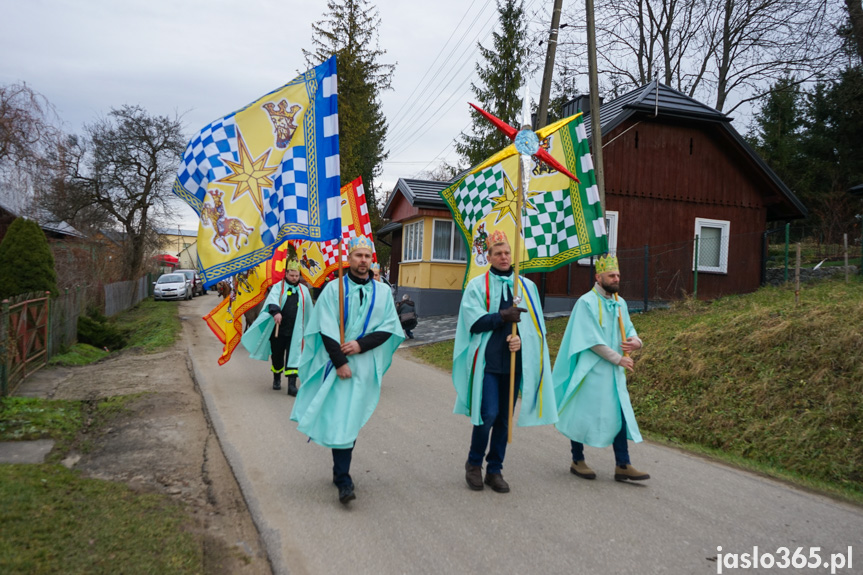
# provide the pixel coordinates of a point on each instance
(675, 169)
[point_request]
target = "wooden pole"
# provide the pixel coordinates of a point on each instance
(845, 238)
(548, 72)
(516, 248)
(284, 279)
(622, 327)
(341, 296)
(593, 80)
(797, 277)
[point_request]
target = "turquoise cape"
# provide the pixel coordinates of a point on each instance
(480, 297)
(590, 390)
(256, 339)
(330, 410)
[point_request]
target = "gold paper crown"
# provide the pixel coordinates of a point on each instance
(497, 237)
(607, 263)
(360, 242)
(292, 265)
(375, 267)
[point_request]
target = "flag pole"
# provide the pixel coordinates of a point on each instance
(622, 328)
(341, 295)
(515, 292)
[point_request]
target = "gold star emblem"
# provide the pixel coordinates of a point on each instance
(248, 175)
(506, 203)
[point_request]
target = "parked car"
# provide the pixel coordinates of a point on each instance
(172, 286)
(194, 281)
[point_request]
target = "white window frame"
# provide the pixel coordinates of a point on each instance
(415, 243)
(611, 225)
(724, 236)
(453, 231)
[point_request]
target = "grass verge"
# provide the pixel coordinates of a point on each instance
(754, 380)
(79, 354)
(71, 424)
(55, 521)
(150, 325)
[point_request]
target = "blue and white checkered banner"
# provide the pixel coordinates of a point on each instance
(265, 174)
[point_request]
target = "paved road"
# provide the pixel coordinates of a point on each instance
(414, 513)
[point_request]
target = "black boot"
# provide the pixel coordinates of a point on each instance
(277, 381)
(292, 385)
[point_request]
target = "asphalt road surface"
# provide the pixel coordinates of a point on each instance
(415, 514)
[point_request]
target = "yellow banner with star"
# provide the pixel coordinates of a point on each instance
(561, 218)
(264, 174)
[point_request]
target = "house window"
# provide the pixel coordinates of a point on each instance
(611, 230)
(712, 245)
(447, 242)
(413, 242)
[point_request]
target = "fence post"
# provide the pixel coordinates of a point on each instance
(5, 356)
(49, 347)
(787, 239)
(646, 282)
(695, 277)
(845, 241)
(797, 277)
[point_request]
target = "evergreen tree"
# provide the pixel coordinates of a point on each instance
(500, 73)
(349, 30)
(26, 262)
(778, 130)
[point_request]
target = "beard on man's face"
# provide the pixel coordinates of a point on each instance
(610, 287)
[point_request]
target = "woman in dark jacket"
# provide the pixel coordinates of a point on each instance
(407, 315)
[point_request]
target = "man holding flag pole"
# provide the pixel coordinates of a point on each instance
(352, 336)
(484, 377)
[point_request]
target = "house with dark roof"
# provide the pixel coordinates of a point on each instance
(428, 255)
(684, 193)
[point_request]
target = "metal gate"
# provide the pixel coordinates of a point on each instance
(23, 340)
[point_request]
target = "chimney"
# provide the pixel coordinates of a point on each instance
(580, 103)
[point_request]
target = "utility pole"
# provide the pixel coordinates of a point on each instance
(596, 131)
(545, 92)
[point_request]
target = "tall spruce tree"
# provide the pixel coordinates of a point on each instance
(349, 31)
(500, 72)
(778, 130)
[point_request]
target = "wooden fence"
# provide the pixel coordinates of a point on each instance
(35, 326)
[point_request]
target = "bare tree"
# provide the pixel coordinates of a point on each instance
(27, 133)
(726, 52)
(123, 170)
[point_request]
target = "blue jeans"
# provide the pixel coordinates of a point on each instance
(495, 422)
(621, 450)
(342, 467)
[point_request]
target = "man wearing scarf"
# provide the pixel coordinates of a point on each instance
(590, 375)
(341, 383)
(288, 307)
(481, 363)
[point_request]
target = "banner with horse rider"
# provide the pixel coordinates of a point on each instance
(264, 174)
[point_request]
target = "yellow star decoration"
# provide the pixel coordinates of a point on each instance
(249, 176)
(506, 203)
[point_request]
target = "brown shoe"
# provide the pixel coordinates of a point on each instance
(496, 482)
(473, 476)
(581, 469)
(629, 473)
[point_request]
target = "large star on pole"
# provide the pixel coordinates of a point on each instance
(506, 202)
(511, 150)
(248, 175)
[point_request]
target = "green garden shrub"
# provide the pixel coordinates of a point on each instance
(26, 262)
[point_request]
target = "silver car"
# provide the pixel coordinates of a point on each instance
(172, 286)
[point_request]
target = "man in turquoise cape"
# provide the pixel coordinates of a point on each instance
(590, 378)
(341, 383)
(481, 363)
(288, 307)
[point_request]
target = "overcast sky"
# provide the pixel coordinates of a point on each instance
(203, 59)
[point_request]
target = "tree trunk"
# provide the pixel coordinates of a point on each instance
(855, 16)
